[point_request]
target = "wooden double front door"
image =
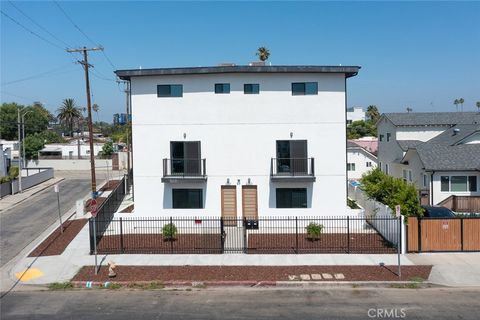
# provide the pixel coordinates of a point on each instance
(229, 203)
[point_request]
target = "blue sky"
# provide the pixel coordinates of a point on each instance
(417, 54)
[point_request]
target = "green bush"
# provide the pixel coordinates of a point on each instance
(4, 179)
(352, 204)
(391, 192)
(169, 231)
(13, 173)
(314, 230)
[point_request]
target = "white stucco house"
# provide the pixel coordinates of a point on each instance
(69, 150)
(359, 160)
(355, 114)
(438, 152)
(239, 141)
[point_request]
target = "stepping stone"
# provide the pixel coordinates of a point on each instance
(339, 276)
(292, 277)
(316, 276)
(327, 276)
(305, 276)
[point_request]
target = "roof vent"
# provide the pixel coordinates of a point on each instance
(456, 131)
(257, 64)
(226, 64)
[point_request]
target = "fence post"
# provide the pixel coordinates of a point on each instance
(244, 234)
(222, 235)
(348, 234)
(296, 235)
(419, 229)
(121, 237)
(171, 241)
(461, 233)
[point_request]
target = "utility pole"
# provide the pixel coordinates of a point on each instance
(19, 154)
(85, 64)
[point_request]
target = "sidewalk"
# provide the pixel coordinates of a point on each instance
(11, 201)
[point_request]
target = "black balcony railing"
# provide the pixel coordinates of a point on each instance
(292, 167)
(186, 168)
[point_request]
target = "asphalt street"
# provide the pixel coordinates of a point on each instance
(23, 223)
(244, 303)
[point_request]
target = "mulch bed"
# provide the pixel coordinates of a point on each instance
(156, 243)
(112, 185)
(327, 243)
(249, 273)
(56, 242)
(128, 209)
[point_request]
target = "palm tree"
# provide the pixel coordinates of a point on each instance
(478, 105)
(456, 103)
(461, 101)
(68, 113)
(263, 53)
(372, 113)
(96, 108)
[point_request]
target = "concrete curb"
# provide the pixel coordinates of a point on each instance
(256, 284)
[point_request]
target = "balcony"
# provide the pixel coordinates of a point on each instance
(292, 169)
(184, 170)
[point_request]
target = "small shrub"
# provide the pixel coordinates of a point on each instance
(169, 231)
(314, 230)
(352, 204)
(60, 285)
(4, 179)
(13, 173)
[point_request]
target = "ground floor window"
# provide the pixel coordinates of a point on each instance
(291, 197)
(458, 183)
(187, 198)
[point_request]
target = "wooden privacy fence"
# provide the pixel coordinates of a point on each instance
(443, 234)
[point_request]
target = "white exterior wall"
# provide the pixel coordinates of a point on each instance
(389, 151)
(422, 133)
(67, 148)
(439, 195)
(360, 158)
(238, 136)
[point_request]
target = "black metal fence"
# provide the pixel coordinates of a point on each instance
(266, 235)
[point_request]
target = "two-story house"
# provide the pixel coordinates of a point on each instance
(239, 141)
(439, 152)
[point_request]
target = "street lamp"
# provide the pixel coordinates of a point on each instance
(20, 144)
(23, 138)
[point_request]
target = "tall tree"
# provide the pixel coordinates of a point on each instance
(263, 53)
(36, 119)
(372, 113)
(68, 113)
(456, 103)
(461, 101)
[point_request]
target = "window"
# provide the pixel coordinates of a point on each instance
(291, 198)
(388, 136)
(187, 198)
(169, 90)
(292, 157)
(424, 180)
(251, 88)
(222, 88)
(386, 168)
(349, 121)
(304, 88)
(185, 158)
(368, 164)
(407, 175)
(458, 183)
(350, 166)
(381, 137)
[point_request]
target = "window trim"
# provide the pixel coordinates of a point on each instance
(223, 86)
(170, 94)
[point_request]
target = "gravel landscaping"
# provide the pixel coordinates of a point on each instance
(250, 273)
(56, 242)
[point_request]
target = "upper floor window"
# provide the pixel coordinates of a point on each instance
(458, 183)
(292, 156)
(424, 180)
(388, 136)
(407, 175)
(222, 87)
(170, 90)
(381, 137)
(386, 168)
(349, 121)
(185, 157)
(251, 88)
(304, 88)
(350, 166)
(368, 164)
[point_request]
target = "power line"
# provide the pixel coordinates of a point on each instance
(77, 27)
(38, 25)
(32, 32)
(39, 75)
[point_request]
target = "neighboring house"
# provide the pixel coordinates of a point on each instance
(12, 145)
(355, 114)
(368, 143)
(359, 160)
(68, 150)
(239, 141)
(5, 160)
(438, 152)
